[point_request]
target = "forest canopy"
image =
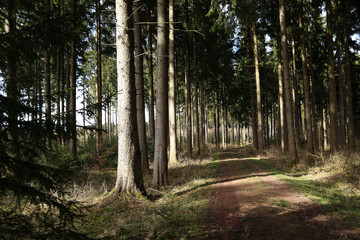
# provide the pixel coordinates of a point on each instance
(132, 85)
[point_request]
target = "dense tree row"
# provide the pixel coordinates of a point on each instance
(202, 72)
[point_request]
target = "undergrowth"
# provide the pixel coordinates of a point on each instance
(178, 213)
(332, 181)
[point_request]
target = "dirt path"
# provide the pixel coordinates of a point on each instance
(250, 203)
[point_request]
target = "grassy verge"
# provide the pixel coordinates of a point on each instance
(335, 193)
(179, 213)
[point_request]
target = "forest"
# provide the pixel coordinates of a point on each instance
(179, 119)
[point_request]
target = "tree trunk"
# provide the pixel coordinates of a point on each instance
(293, 157)
(312, 95)
(172, 110)
(223, 145)
(281, 107)
(129, 174)
(196, 87)
(160, 176)
(72, 110)
(206, 125)
(340, 79)
(139, 84)
(309, 133)
(98, 84)
(260, 139)
(332, 85)
(202, 113)
(215, 124)
(295, 95)
(188, 100)
(47, 82)
(348, 88)
(58, 94)
(150, 78)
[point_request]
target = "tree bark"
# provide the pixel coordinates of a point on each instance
(332, 85)
(129, 174)
(202, 113)
(172, 105)
(309, 133)
(260, 138)
(139, 84)
(47, 83)
(188, 100)
(294, 94)
(160, 176)
(72, 110)
(196, 87)
(281, 107)
(340, 79)
(150, 78)
(223, 127)
(98, 84)
(293, 157)
(348, 88)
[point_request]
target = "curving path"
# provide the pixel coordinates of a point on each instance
(250, 203)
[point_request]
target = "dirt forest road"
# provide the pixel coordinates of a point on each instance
(251, 203)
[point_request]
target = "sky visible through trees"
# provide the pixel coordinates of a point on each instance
(75, 83)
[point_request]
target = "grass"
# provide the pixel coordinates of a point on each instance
(179, 213)
(329, 184)
(282, 203)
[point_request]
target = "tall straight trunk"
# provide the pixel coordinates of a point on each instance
(139, 85)
(215, 124)
(293, 157)
(150, 77)
(206, 124)
(340, 79)
(196, 87)
(281, 107)
(47, 83)
(223, 141)
(226, 124)
(312, 96)
(58, 95)
(129, 174)
(348, 88)
(239, 132)
(172, 110)
(232, 138)
(98, 84)
(179, 119)
(188, 100)
(67, 96)
(325, 129)
(202, 113)
(306, 86)
(331, 74)
(160, 176)
(72, 110)
(294, 93)
(260, 138)
(84, 115)
(253, 114)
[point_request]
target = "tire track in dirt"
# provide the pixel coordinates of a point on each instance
(251, 203)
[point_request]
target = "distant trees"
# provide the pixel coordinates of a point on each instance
(216, 67)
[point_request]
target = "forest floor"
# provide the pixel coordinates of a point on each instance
(250, 201)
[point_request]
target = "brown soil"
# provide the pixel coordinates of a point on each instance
(250, 203)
